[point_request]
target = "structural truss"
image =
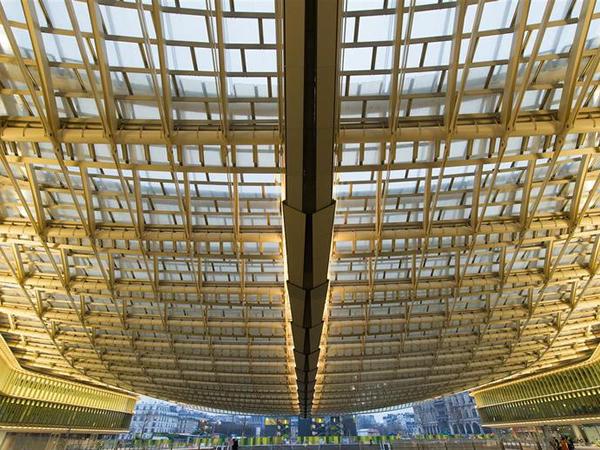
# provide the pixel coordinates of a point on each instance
(284, 207)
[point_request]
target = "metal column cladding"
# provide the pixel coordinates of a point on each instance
(311, 37)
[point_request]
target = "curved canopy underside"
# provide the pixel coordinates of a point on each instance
(143, 172)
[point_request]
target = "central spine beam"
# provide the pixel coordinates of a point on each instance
(311, 56)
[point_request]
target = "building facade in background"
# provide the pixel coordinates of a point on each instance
(402, 423)
(155, 417)
(452, 414)
(188, 422)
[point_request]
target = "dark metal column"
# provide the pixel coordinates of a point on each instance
(311, 37)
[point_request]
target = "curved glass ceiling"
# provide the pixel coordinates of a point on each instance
(143, 170)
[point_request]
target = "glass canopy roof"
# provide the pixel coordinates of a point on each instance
(143, 170)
